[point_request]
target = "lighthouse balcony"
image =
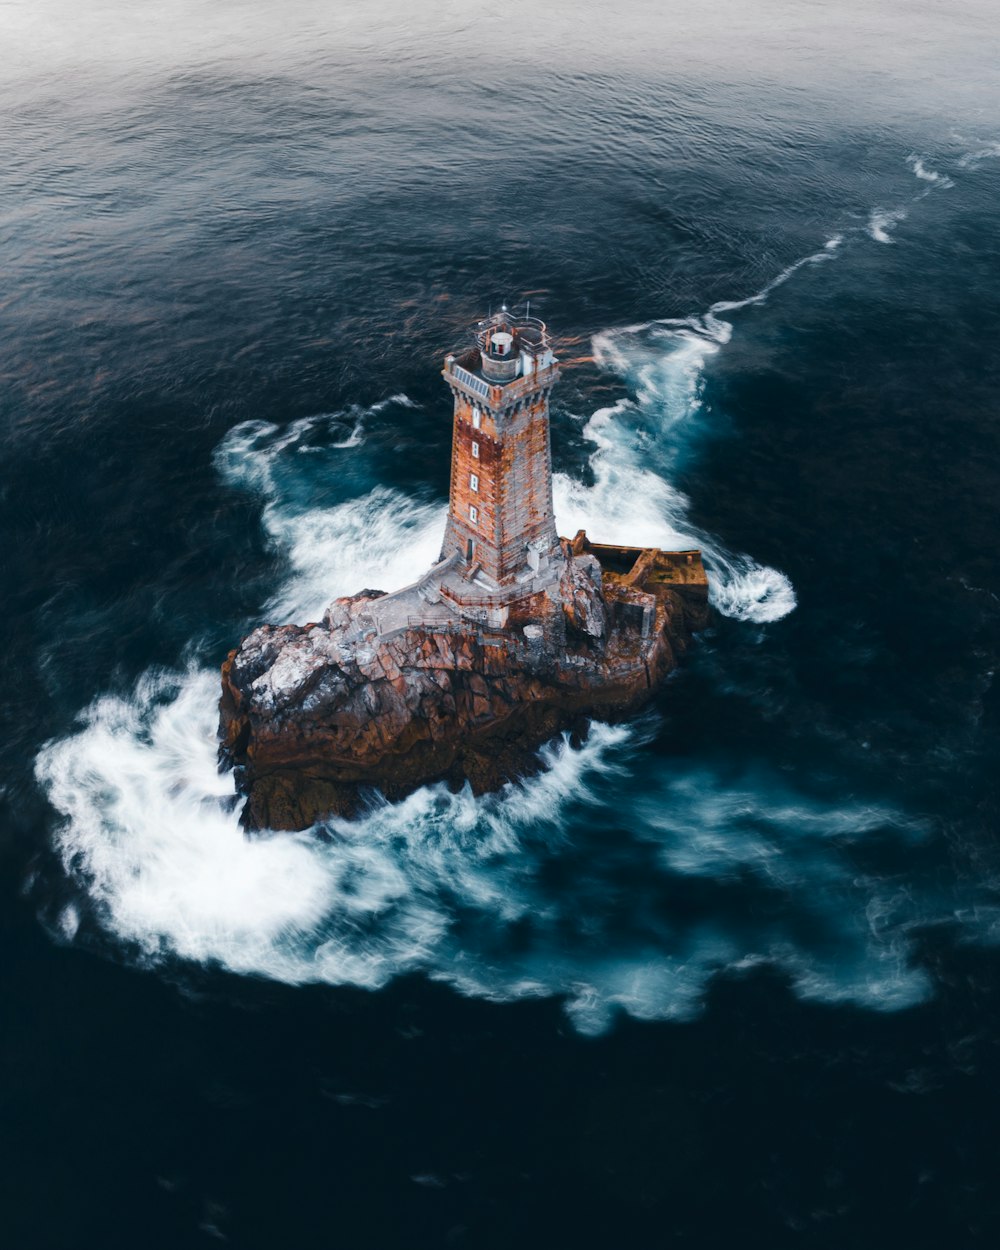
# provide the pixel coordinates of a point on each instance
(468, 376)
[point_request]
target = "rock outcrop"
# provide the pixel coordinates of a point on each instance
(389, 692)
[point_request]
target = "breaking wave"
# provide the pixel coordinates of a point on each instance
(663, 363)
(544, 889)
(375, 537)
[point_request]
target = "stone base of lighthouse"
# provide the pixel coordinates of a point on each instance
(449, 680)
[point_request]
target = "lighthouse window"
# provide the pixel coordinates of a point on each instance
(473, 513)
(477, 417)
(474, 481)
(475, 451)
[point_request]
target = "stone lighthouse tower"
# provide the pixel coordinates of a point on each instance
(500, 521)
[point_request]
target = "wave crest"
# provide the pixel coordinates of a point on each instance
(364, 535)
(558, 886)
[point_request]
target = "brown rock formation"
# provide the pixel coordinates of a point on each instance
(372, 699)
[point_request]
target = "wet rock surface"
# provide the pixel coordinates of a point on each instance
(317, 719)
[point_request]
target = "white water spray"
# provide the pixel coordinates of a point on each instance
(456, 887)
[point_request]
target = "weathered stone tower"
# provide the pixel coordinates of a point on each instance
(500, 521)
(513, 636)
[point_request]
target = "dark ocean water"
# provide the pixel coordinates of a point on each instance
(727, 976)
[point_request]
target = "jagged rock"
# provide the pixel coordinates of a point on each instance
(344, 612)
(317, 717)
(583, 598)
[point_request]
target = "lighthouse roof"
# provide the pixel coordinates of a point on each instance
(517, 331)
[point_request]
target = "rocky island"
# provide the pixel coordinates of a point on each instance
(513, 636)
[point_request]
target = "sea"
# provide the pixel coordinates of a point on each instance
(724, 976)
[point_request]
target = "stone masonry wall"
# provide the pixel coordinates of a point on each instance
(514, 496)
(484, 533)
(526, 484)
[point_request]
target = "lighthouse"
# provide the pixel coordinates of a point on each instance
(513, 635)
(501, 527)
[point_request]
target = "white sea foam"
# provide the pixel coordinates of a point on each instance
(150, 824)
(627, 503)
(882, 221)
(379, 538)
(383, 539)
(748, 591)
(920, 169)
(630, 499)
(459, 888)
(981, 151)
(827, 252)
